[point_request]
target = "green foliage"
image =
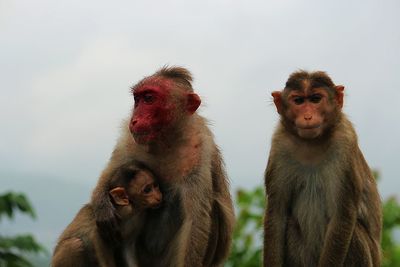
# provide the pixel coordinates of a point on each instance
(247, 238)
(248, 235)
(9, 202)
(13, 248)
(391, 221)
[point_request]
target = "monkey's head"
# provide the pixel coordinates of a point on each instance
(141, 192)
(162, 102)
(310, 104)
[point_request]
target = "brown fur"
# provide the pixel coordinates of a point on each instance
(194, 226)
(323, 205)
(81, 244)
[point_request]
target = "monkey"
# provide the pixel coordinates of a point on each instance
(132, 201)
(323, 206)
(135, 191)
(195, 223)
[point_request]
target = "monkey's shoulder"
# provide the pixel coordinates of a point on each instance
(82, 224)
(75, 245)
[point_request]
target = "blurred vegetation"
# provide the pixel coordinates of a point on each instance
(391, 222)
(13, 250)
(248, 235)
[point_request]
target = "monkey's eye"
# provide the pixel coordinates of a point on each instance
(148, 98)
(147, 189)
(298, 100)
(136, 99)
(315, 98)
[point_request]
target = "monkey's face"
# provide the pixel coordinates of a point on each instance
(159, 108)
(144, 191)
(307, 112)
(153, 111)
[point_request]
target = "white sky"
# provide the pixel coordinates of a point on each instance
(66, 68)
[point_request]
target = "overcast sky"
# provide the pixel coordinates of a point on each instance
(66, 68)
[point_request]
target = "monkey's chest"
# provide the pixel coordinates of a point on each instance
(180, 163)
(310, 210)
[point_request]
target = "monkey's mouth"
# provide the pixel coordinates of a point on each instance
(309, 127)
(156, 206)
(309, 131)
(141, 132)
(143, 137)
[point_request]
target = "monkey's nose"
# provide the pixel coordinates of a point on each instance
(131, 125)
(308, 117)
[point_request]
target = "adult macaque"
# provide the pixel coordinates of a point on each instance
(194, 225)
(323, 205)
(81, 244)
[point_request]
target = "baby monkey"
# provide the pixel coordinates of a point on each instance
(133, 191)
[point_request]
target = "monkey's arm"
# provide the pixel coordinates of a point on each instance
(194, 233)
(274, 232)
(222, 216)
(70, 252)
(341, 226)
(103, 209)
(275, 220)
(209, 219)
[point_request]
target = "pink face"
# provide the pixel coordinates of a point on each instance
(308, 111)
(153, 111)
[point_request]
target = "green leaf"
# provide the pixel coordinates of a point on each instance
(24, 243)
(10, 259)
(11, 202)
(13, 248)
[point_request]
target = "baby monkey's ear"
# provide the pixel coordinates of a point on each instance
(119, 196)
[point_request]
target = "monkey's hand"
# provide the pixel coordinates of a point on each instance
(107, 222)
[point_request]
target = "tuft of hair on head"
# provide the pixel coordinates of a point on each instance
(321, 79)
(178, 74)
(296, 78)
(181, 77)
(317, 79)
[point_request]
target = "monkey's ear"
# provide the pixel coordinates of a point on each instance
(277, 95)
(119, 195)
(193, 102)
(339, 95)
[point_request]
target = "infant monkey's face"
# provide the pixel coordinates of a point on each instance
(143, 190)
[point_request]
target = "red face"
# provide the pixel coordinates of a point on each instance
(152, 112)
(156, 109)
(309, 111)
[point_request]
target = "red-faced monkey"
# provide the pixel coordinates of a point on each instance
(194, 225)
(323, 205)
(81, 244)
